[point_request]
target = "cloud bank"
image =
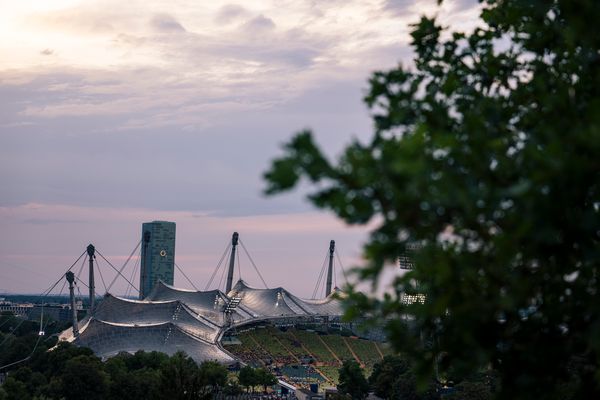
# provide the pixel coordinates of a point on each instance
(113, 113)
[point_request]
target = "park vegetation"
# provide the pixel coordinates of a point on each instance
(484, 169)
(65, 371)
(71, 373)
(393, 378)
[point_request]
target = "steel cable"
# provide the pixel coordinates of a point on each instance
(133, 272)
(341, 266)
(101, 277)
(320, 277)
(253, 264)
(118, 272)
(42, 329)
(218, 266)
(122, 268)
(186, 277)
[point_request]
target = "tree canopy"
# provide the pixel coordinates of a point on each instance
(483, 167)
(352, 380)
(250, 377)
(71, 372)
(385, 373)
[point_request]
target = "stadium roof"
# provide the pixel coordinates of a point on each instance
(171, 319)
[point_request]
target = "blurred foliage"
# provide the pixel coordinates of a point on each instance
(392, 378)
(472, 391)
(484, 167)
(385, 374)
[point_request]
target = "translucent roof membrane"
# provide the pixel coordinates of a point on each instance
(133, 312)
(108, 339)
(172, 319)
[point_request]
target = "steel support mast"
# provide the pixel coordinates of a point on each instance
(91, 250)
(330, 269)
(71, 278)
(144, 267)
(234, 243)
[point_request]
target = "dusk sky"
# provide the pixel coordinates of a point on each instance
(116, 113)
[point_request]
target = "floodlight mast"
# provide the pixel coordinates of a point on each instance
(91, 250)
(330, 269)
(71, 278)
(234, 243)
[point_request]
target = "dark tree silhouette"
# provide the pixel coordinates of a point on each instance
(352, 380)
(385, 374)
(84, 378)
(484, 167)
(247, 377)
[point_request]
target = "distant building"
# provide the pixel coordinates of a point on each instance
(56, 312)
(17, 309)
(158, 255)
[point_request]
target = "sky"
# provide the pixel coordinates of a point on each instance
(116, 113)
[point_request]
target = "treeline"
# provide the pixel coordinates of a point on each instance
(394, 378)
(71, 373)
(19, 337)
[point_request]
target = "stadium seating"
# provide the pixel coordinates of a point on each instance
(304, 356)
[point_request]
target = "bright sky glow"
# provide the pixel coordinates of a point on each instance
(113, 113)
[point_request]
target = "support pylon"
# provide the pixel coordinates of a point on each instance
(330, 269)
(234, 242)
(91, 250)
(144, 267)
(71, 278)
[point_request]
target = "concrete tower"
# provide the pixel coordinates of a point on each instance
(158, 255)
